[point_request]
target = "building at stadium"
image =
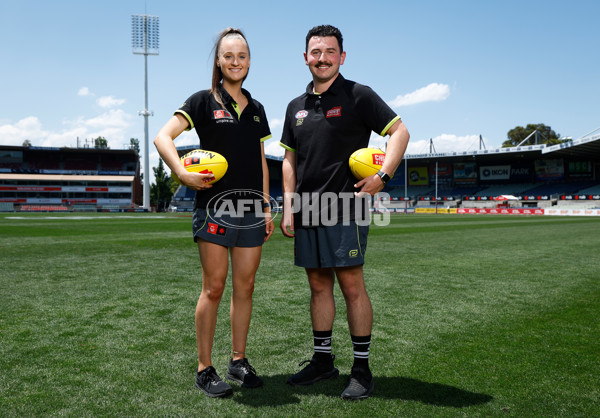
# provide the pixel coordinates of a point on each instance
(536, 177)
(65, 179)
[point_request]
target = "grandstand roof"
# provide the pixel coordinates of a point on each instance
(582, 147)
(64, 177)
(585, 147)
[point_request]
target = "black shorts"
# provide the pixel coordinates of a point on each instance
(331, 246)
(229, 231)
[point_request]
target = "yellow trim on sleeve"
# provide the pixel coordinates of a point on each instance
(266, 138)
(286, 147)
(389, 125)
(185, 115)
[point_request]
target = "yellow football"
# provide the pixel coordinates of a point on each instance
(365, 162)
(201, 161)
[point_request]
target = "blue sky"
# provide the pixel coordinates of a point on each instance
(453, 70)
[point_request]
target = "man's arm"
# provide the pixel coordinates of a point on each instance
(396, 147)
(288, 170)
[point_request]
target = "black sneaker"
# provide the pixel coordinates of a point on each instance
(242, 372)
(359, 386)
(211, 384)
(315, 370)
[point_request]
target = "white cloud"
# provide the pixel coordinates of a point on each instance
(84, 91)
(434, 92)
(276, 123)
(273, 148)
(29, 128)
(112, 125)
(443, 144)
(109, 101)
(187, 138)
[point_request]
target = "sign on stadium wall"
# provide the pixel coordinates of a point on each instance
(439, 199)
(580, 197)
(572, 212)
(494, 172)
(434, 210)
(69, 189)
(417, 176)
(501, 211)
(479, 198)
(549, 170)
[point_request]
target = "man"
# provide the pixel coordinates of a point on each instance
(322, 128)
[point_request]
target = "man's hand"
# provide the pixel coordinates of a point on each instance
(287, 224)
(369, 185)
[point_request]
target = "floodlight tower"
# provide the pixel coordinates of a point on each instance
(144, 40)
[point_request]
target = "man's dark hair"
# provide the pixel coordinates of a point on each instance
(325, 30)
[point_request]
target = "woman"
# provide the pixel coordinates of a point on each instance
(230, 122)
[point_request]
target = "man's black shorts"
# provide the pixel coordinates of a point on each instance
(330, 246)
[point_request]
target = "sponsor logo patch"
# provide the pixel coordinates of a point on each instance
(301, 114)
(334, 112)
(378, 159)
(353, 253)
(191, 161)
(215, 229)
(220, 114)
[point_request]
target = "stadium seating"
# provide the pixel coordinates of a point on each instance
(561, 188)
(7, 207)
(44, 208)
(595, 189)
(508, 189)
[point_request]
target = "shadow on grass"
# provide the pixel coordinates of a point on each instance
(276, 392)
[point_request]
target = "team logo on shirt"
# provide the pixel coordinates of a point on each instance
(334, 112)
(222, 114)
(300, 117)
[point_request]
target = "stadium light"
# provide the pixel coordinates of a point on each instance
(144, 41)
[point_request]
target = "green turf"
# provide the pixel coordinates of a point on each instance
(474, 316)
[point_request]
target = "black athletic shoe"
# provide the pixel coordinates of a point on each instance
(242, 372)
(315, 370)
(359, 386)
(209, 382)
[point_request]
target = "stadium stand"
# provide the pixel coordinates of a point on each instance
(524, 178)
(505, 189)
(59, 179)
(43, 208)
(7, 207)
(594, 189)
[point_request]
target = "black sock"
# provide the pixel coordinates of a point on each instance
(361, 346)
(322, 341)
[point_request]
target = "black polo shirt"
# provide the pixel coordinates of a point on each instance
(237, 137)
(325, 129)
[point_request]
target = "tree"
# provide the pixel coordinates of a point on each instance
(161, 192)
(544, 135)
(134, 144)
(27, 143)
(100, 143)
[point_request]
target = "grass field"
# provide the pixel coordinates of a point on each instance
(474, 316)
